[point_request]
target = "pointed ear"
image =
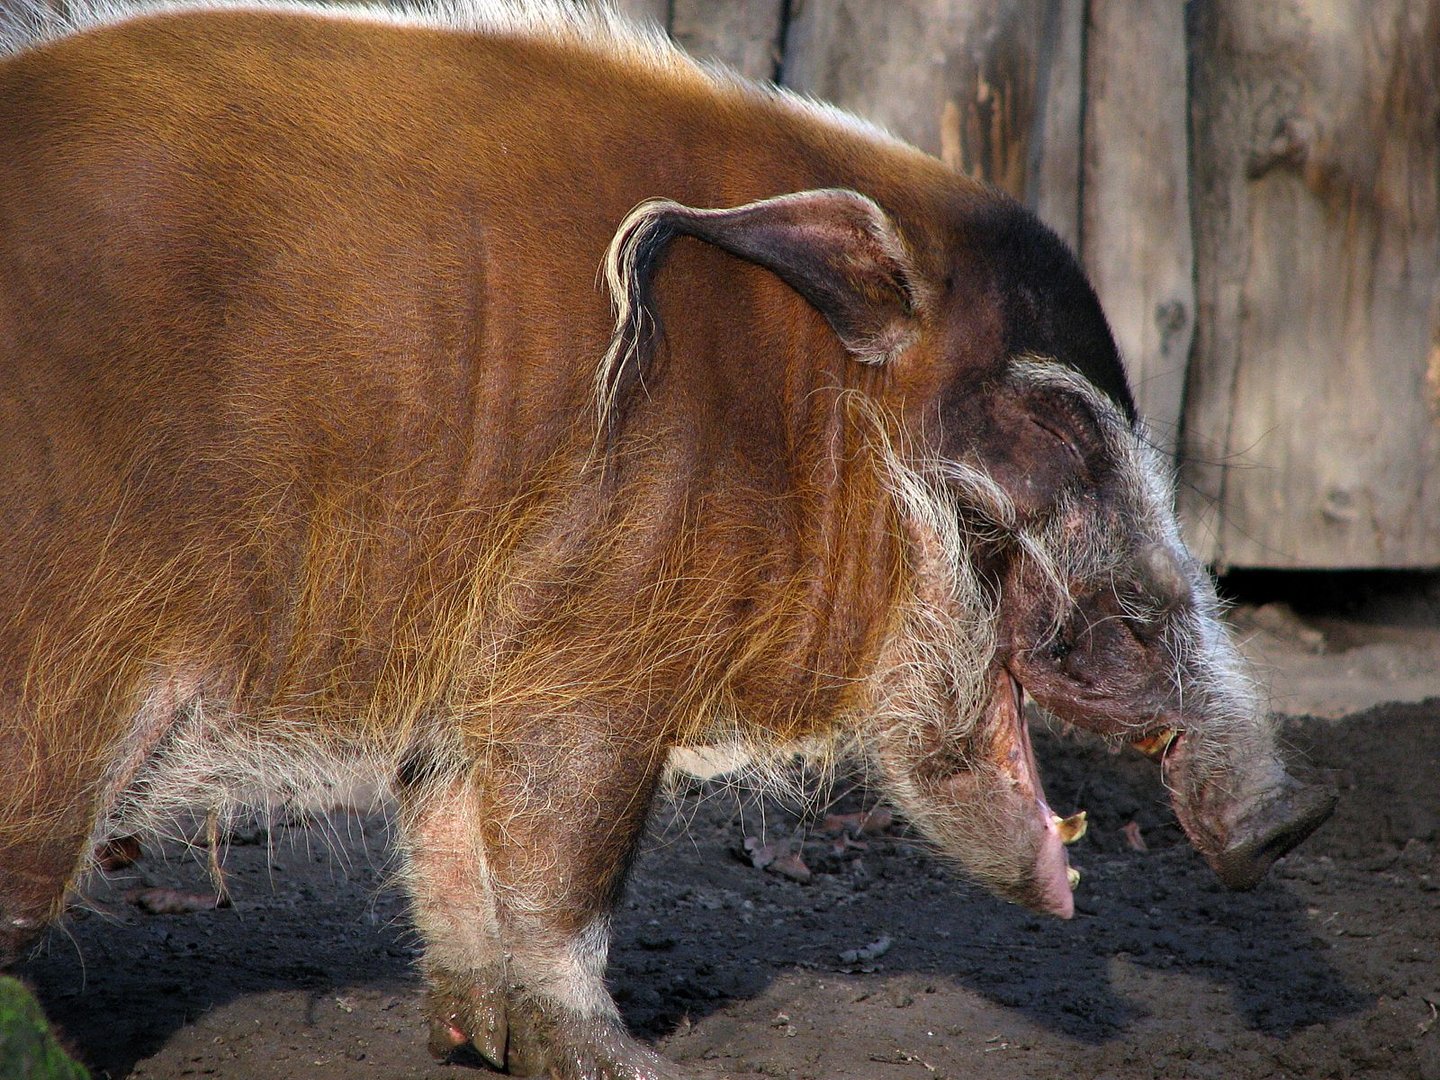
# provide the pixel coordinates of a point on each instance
(836, 248)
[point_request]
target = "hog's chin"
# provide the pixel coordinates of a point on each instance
(1043, 878)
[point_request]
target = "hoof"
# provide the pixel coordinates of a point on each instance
(523, 1037)
(473, 1015)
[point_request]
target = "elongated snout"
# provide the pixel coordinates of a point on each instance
(1283, 818)
(1241, 825)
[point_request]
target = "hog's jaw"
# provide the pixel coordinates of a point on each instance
(948, 734)
(1106, 620)
(979, 799)
(1130, 644)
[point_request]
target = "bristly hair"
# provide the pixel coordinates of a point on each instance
(26, 24)
(629, 270)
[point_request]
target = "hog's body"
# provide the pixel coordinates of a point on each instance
(326, 462)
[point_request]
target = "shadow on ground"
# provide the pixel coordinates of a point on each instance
(312, 971)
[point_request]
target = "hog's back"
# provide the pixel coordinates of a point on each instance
(279, 297)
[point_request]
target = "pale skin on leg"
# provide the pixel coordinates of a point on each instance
(449, 883)
(513, 870)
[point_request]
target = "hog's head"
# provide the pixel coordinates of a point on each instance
(1098, 611)
(1107, 622)
(1042, 544)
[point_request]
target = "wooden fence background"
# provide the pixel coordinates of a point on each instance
(1254, 189)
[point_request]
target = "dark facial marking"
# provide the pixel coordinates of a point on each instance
(1049, 308)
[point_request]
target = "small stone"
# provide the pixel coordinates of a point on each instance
(867, 953)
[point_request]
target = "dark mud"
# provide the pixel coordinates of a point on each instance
(1331, 968)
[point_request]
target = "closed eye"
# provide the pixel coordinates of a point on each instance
(1069, 423)
(1060, 436)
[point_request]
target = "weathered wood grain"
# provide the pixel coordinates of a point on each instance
(954, 77)
(1313, 411)
(1135, 203)
(1052, 187)
(994, 87)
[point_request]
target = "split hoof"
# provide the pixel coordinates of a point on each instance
(525, 1038)
(473, 1015)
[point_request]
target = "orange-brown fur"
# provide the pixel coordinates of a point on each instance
(333, 465)
(299, 341)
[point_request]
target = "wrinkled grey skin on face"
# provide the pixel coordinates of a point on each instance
(1093, 606)
(1110, 624)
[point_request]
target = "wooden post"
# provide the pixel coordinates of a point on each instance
(1313, 419)
(1135, 204)
(1052, 188)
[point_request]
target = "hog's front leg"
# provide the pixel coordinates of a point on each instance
(449, 882)
(514, 870)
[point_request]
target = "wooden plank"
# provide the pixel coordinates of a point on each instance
(1313, 422)
(1052, 186)
(744, 34)
(1135, 203)
(656, 12)
(955, 77)
(847, 52)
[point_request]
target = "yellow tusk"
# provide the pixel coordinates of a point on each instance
(1071, 828)
(1073, 876)
(1156, 745)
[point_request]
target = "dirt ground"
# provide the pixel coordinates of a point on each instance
(882, 965)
